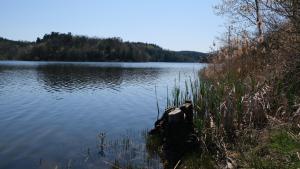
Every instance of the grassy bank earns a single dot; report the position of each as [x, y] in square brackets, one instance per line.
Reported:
[247, 101]
[246, 112]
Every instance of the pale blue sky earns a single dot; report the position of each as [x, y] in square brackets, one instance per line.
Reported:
[171, 24]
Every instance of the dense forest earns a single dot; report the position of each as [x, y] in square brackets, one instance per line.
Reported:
[67, 47]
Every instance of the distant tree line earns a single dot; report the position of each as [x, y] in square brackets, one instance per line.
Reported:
[67, 47]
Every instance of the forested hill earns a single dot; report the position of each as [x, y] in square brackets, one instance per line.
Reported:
[67, 47]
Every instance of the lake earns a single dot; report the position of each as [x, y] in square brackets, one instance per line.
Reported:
[52, 112]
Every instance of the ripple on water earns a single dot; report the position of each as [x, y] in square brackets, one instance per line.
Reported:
[50, 110]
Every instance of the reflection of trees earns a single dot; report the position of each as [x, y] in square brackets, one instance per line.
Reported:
[68, 77]
[1, 69]
[71, 77]
[17, 76]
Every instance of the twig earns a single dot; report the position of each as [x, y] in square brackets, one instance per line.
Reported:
[177, 164]
[157, 103]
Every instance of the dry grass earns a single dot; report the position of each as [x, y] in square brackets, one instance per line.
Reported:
[247, 87]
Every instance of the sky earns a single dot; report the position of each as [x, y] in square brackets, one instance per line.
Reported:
[171, 24]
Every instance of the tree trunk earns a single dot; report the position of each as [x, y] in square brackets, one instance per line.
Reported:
[258, 18]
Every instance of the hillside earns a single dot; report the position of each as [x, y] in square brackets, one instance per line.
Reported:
[67, 47]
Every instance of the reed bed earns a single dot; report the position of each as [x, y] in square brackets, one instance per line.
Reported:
[249, 89]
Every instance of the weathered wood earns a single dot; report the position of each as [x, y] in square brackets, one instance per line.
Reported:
[175, 116]
[187, 108]
[176, 130]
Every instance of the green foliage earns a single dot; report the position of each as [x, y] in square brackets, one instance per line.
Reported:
[153, 144]
[67, 47]
[12, 50]
[281, 141]
[278, 151]
[198, 161]
[257, 162]
[199, 125]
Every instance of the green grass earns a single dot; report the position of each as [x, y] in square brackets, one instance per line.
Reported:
[279, 150]
[198, 161]
[282, 142]
[257, 162]
[153, 144]
[234, 95]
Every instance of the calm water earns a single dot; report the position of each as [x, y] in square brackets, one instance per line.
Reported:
[51, 112]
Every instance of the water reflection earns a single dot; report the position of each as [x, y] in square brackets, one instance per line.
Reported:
[51, 110]
[70, 78]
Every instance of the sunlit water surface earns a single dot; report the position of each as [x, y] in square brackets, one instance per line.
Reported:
[52, 112]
